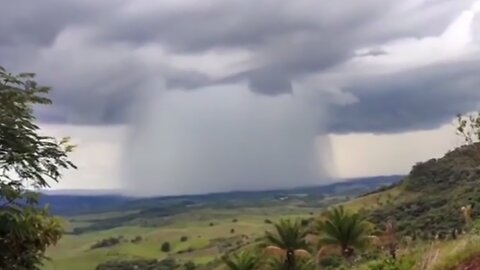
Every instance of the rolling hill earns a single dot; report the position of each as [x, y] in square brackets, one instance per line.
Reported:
[427, 202]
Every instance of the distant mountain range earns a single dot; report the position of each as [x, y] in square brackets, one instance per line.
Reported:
[74, 202]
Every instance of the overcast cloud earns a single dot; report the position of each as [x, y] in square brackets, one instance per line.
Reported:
[97, 54]
[374, 66]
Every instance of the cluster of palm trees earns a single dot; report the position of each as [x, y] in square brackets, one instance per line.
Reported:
[337, 232]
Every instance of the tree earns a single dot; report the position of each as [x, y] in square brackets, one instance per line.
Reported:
[166, 247]
[242, 261]
[189, 265]
[348, 231]
[29, 161]
[301, 264]
[468, 126]
[288, 242]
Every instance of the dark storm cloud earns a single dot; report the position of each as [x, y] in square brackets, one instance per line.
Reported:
[423, 98]
[30, 22]
[253, 24]
[289, 38]
[96, 82]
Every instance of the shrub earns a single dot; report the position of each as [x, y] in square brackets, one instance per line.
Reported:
[268, 221]
[389, 264]
[189, 265]
[136, 239]
[232, 230]
[476, 227]
[107, 242]
[305, 222]
[331, 262]
[166, 247]
[183, 238]
[166, 264]
[234, 220]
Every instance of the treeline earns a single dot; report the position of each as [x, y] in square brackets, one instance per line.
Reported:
[166, 264]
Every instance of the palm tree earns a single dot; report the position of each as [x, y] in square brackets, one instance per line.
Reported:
[288, 242]
[301, 264]
[243, 261]
[345, 230]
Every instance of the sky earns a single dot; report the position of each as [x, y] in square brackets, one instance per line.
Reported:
[177, 96]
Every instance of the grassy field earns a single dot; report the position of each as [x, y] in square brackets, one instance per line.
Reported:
[206, 230]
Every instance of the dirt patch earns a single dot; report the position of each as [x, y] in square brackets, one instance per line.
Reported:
[473, 264]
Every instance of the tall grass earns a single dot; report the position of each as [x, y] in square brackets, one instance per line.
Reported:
[465, 250]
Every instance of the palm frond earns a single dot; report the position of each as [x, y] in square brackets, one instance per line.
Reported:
[288, 235]
[242, 261]
[345, 229]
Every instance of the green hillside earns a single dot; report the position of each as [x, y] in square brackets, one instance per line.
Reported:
[428, 201]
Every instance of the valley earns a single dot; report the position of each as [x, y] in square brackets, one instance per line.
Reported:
[199, 229]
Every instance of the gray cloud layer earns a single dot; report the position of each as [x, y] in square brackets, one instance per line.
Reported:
[422, 98]
[95, 53]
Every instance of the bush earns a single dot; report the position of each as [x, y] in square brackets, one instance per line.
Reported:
[166, 247]
[268, 221]
[189, 265]
[389, 264]
[232, 231]
[183, 239]
[331, 262]
[166, 264]
[108, 242]
[136, 239]
[305, 222]
[476, 227]
[234, 220]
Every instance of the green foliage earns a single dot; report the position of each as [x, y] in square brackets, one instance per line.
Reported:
[107, 242]
[137, 239]
[28, 161]
[183, 238]
[476, 227]
[288, 235]
[166, 247]
[166, 264]
[434, 193]
[189, 266]
[300, 264]
[463, 254]
[243, 261]
[305, 222]
[468, 126]
[390, 264]
[347, 230]
[331, 262]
